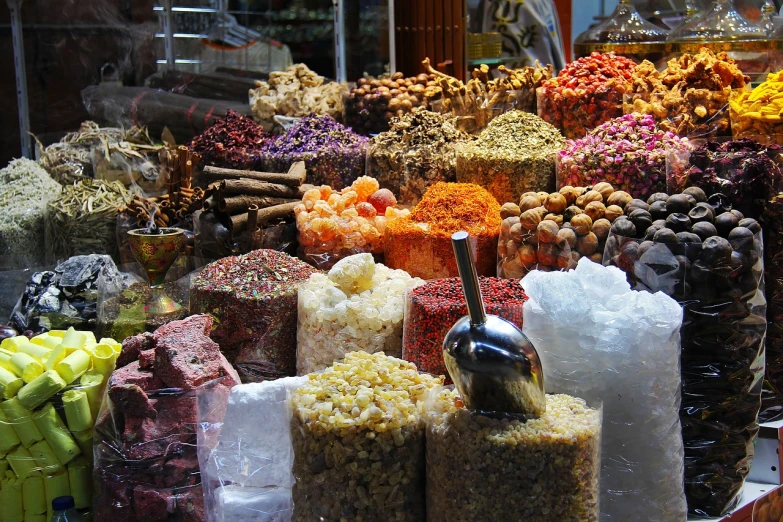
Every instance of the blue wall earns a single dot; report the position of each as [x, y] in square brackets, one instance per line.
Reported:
[585, 10]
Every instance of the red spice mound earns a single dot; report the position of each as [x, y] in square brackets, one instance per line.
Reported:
[232, 142]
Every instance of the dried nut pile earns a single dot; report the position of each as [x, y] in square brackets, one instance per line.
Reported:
[358, 305]
[553, 231]
[336, 224]
[370, 106]
[296, 92]
[586, 93]
[539, 470]
[358, 439]
[630, 152]
[415, 153]
[690, 96]
[233, 142]
[758, 112]
[25, 189]
[513, 155]
[420, 242]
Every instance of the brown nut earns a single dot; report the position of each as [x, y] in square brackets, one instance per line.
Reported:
[595, 209]
[619, 198]
[582, 224]
[601, 229]
[547, 232]
[528, 202]
[555, 203]
[587, 244]
[547, 254]
[527, 255]
[564, 260]
[613, 212]
[542, 196]
[566, 237]
[511, 248]
[512, 269]
[557, 218]
[570, 193]
[605, 189]
[572, 211]
[597, 257]
[509, 210]
[517, 233]
[588, 197]
[530, 219]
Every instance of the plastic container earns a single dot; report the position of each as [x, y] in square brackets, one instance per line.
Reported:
[64, 511]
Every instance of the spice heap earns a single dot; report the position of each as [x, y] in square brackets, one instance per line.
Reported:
[334, 155]
[415, 153]
[586, 93]
[297, 91]
[758, 112]
[690, 96]
[253, 298]
[232, 142]
[69, 159]
[630, 152]
[513, 155]
[370, 106]
[420, 243]
[493, 460]
[699, 250]
[66, 297]
[358, 441]
[358, 305]
[83, 219]
[25, 189]
[53, 385]
[434, 307]
[746, 171]
[333, 225]
[146, 465]
[553, 231]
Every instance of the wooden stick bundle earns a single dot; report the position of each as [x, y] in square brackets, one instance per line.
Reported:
[238, 223]
[295, 176]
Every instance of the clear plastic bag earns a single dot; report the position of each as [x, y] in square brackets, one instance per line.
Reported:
[601, 341]
[146, 464]
[520, 251]
[483, 468]
[245, 452]
[357, 306]
[772, 398]
[722, 363]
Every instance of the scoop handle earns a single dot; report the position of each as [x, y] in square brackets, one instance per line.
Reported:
[460, 241]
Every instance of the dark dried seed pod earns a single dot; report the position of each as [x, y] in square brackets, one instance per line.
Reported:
[690, 199]
[650, 234]
[715, 250]
[644, 246]
[678, 222]
[641, 219]
[738, 214]
[678, 203]
[751, 224]
[660, 223]
[704, 229]
[688, 237]
[635, 204]
[725, 223]
[720, 203]
[667, 236]
[697, 194]
[701, 212]
[658, 210]
[624, 227]
[658, 196]
[741, 239]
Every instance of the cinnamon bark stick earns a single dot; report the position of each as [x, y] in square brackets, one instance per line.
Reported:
[239, 204]
[252, 187]
[238, 223]
[293, 178]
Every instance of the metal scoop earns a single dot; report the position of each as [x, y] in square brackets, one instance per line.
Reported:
[494, 366]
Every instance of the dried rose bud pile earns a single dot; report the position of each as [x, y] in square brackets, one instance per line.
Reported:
[629, 152]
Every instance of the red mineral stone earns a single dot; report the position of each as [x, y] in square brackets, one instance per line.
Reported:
[152, 505]
[184, 408]
[130, 399]
[133, 346]
[132, 374]
[112, 501]
[147, 360]
[190, 505]
[188, 361]
[181, 471]
[185, 327]
[147, 438]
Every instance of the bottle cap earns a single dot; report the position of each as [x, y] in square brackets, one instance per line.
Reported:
[62, 503]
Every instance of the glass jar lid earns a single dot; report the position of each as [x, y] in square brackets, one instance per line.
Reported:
[621, 32]
[721, 24]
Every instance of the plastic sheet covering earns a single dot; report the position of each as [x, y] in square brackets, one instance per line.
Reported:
[13, 282]
[771, 402]
[722, 362]
[601, 341]
[245, 452]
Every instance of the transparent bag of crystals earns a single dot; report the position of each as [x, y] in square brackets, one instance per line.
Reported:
[601, 341]
[245, 452]
[483, 468]
[146, 465]
[694, 113]
[722, 360]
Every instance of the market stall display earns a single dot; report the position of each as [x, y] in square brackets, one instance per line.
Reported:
[25, 191]
[513, 155]
[254, 300]
[420, 242]
[333, 154]
[146, 465]
[358, 305]
[82, 220]
[587, 93]
[554, 231]
[52, 386]
[630, 152]
[756, 113]
[295, 92]
[351, 421]
[416, 152]
[69, 159]
[432, 308]
[333, 225]
[65, 297]
[603, 342]
[233, 141]
[708, 257]
[691, 96]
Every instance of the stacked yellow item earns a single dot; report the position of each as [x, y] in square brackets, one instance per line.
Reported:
[759, 113]
[46, 452]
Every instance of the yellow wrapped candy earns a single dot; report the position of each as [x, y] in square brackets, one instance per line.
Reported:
[74, 340]
[34, 495]
[40, 389]
[104, 359]
[36, 351]
[8, 437]
[56, 434]
[92, 383]
[56, 486]
[55, 356]
[80, 479]
[84, 440]
[22, 462]
[77, 410]
[74, 365]
[11, 503]
[26, 366]
[22, 422]
[12, 343]
[10, 384]
[45, 458]
[36, 517]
